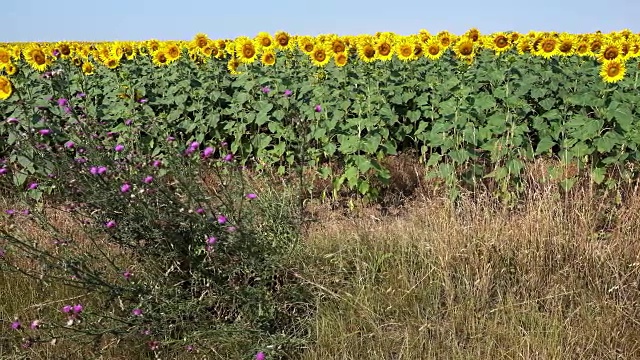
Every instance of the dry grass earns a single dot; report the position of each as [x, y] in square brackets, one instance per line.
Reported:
[558, 278]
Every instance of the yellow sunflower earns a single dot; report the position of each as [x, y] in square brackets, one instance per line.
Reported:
[340, 59]
[172, 52]
[306, 44]
[566, 45]
[547, 46]
[264, 41]
[320, 55]
[10, 69]
[233, 64]
[338, 45]
[129, 49]
[473, 34]
[463, 48]
[35, 57]
[64, 48]
[366, 50]
[87, 68]
[384, 48]
[433, 49]
[5, 56]
[112, 62]
[245, 50]
[268, 58]
[283, 40]
[201, 40]
[160, 58]
[596, 45]
[500, 43]
[582, 48]
[405, 49]
[5, 88]
[524, 45]
[610, 51]
[445, 38]
[612, 71]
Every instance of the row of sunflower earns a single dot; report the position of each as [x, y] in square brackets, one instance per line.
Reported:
[612, 50]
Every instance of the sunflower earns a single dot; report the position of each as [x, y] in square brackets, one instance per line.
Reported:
[283, 40]
[596, 45]
[221, 45]
[366, 50]
[264, 41]
[612, 71]
[433, 49]
[320, 55]
[500, 43]
[112, 62]
[582, 48]
[76, 61]
[384, 48]
[16, 52]
[473, 34]
[463, 48]
[566, 45]
[268, 58]
[245, 50]
[64, 48]
[201, 40]
[35, 57]
[445, 38]
[547, 46]
[5, 88]
[306, 44]
[87, 68]
[424, 36]
[5, 56]
[160, 58]
[83, 51]
[610, 51]
[524, 46]
[340, 59]
[10, 69]
[129, 50]
[405, 49]
[233, 64]
[338, 45]
[172, 52]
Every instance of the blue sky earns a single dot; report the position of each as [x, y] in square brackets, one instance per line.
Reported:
[40, 20]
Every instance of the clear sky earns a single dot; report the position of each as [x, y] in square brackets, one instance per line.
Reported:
[89, 20]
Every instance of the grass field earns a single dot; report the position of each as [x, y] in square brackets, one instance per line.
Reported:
[556, 278]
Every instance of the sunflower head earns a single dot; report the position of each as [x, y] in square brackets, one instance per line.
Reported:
[445, 38]
[433, 49]
[36, 57]
[129, 50]
[160, 58]
[201, 40]
[5, 56]
[610, 51]
[283, 40]
[473, 34]
[547, 47]
[87, 68]
[10, 69]
[406, 49]
[384, 49]
[566, 45]
[64, 48]
[172, 51]
[500, 42]
[612, 71]
[338, 46]
[268, 58]
[320, 55]
[232, 65]
[582, 48]
[245, 49]
[366, 51]
[463, 48]
[265, 41]
[524, 45]
[306, 44]
[5, 88]
[112, 62]
[340, 59]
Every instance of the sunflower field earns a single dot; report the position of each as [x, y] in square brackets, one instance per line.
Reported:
[471, 106]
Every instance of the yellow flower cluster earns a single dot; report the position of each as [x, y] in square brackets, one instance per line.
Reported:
[612, 50]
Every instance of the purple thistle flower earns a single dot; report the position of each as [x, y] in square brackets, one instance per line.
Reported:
[222, 219]
[110, 224]
[81, 95]
[228, 157]
[154, 345]
[94, 170]
[80, 160]
[170, 138]
[194, 144]
[260, 356]
[189, 348]
[232, 229]
[266, 90]
[12, 120]
[78, 308]
[33, 186]
[200, 211]
[55, 52]
[66, 309]
[63, 102]
[125, 188]
[137, 312]
[10, 212]
[251, 196]
[211, 240]
[207, 151]
[118, 148]
[2, 253]
[127, 275]
[143, 101]
[69, 144]
[102, 170]
[67, 110]
[148, 180]
[44, 131]
[16, 325]
[35, 324]
[318, 108]
[156, 163]
[25, 212]
[128, 122]
[3, 170]
[288, 93]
